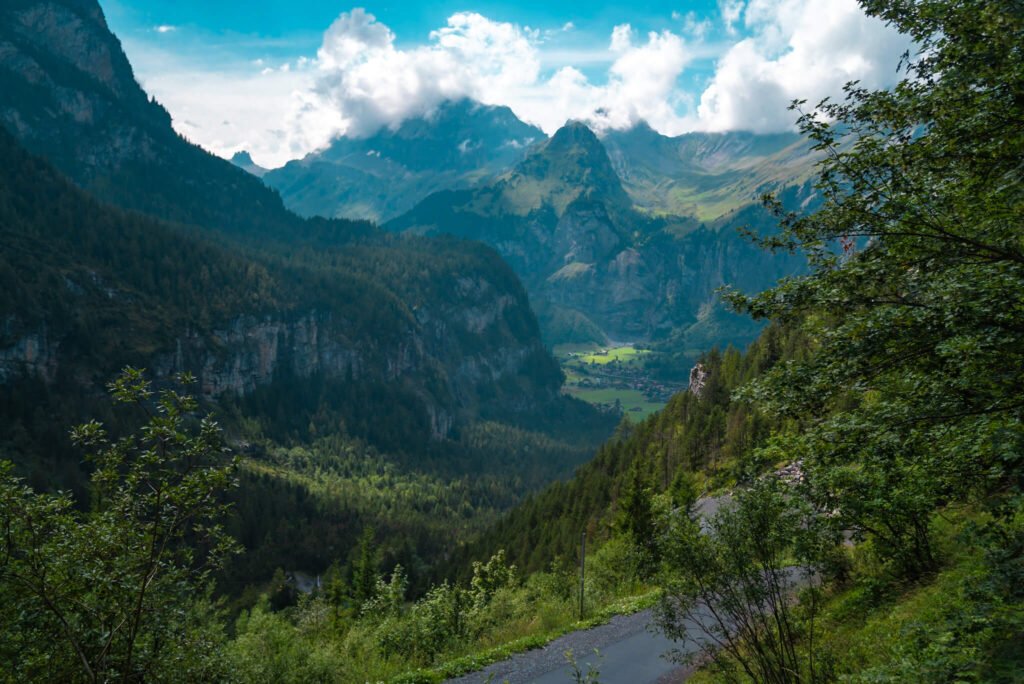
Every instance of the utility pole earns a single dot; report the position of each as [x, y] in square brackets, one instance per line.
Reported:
[583, 566]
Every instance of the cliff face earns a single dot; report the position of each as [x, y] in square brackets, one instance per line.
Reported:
[247, 352]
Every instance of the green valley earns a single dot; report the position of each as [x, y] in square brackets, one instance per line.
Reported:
[615, 379]
[616, 404]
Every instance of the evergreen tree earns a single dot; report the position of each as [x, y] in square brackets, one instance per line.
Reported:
[364, 568]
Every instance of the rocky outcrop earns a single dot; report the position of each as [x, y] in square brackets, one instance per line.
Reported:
[32, 354]
[698, 380]
[443, 359]
[247, 353]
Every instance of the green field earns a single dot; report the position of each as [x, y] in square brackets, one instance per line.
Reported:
[581, 353]
[629, 399]
[589, 363]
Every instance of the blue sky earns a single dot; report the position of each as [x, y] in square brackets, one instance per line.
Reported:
[282, 78]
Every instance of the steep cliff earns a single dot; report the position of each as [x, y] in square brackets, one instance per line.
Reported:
[85, 296]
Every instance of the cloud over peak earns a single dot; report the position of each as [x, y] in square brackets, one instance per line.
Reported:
[734, 70]
[364, 81]
[796, 49]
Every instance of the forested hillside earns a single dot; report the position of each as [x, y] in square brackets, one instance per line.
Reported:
[317, 477]
[415, 356]
[704, 439]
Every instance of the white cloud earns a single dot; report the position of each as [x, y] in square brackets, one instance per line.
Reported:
[165, 28]
[797, 49]
[731, 11]
[364, 81]
[361, 79]
[693, 26]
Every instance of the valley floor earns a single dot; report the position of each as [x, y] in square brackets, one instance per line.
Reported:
[614, 379]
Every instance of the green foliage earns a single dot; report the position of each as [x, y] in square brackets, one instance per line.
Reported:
[913, 390]
[729, 581]
[364, 569]
[119, 591]
[713, 435]
[963, 624]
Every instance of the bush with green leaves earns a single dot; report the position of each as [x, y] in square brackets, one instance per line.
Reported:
[730, 584]
[121, 590]
[911, 397]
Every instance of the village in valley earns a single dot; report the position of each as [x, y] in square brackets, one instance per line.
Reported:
[614, 378]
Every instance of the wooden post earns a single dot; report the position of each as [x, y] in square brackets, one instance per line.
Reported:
[583, 565]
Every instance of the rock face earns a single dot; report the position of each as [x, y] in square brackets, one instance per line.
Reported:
[698, 380]
[33, 354]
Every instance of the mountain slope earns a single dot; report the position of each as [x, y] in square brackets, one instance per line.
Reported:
[418, 357]
[88, 289]
[596, 267]
[705, 175]
[701, 430]
[386, 173]
[68, 93]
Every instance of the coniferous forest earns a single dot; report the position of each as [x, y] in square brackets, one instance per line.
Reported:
[237, 445]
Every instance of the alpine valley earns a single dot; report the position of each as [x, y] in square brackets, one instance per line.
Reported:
[459, 399]
[623, 239]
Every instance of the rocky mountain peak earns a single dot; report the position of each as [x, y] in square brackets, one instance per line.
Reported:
[575, 134]
[243, 160]
[575, 156]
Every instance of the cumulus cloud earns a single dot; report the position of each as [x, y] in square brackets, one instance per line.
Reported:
[165, 28]
[361, 79]
[731, 11]
[365, 82]
[797, 49]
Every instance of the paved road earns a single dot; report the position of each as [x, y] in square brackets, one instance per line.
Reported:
[631, 650]
[630, 653]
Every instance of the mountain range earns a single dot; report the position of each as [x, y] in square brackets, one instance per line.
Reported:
[597, 266]
[380, 176]
[624, 236]
[124, 244]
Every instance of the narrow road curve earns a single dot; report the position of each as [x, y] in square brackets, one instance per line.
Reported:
[631, 652]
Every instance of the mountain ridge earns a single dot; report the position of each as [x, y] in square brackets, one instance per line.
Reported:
[380, 175]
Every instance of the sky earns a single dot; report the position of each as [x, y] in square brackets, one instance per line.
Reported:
[282, 79]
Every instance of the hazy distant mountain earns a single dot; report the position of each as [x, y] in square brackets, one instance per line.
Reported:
[244, 161]
[594, 265]
[380, 176]
[705, 175]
